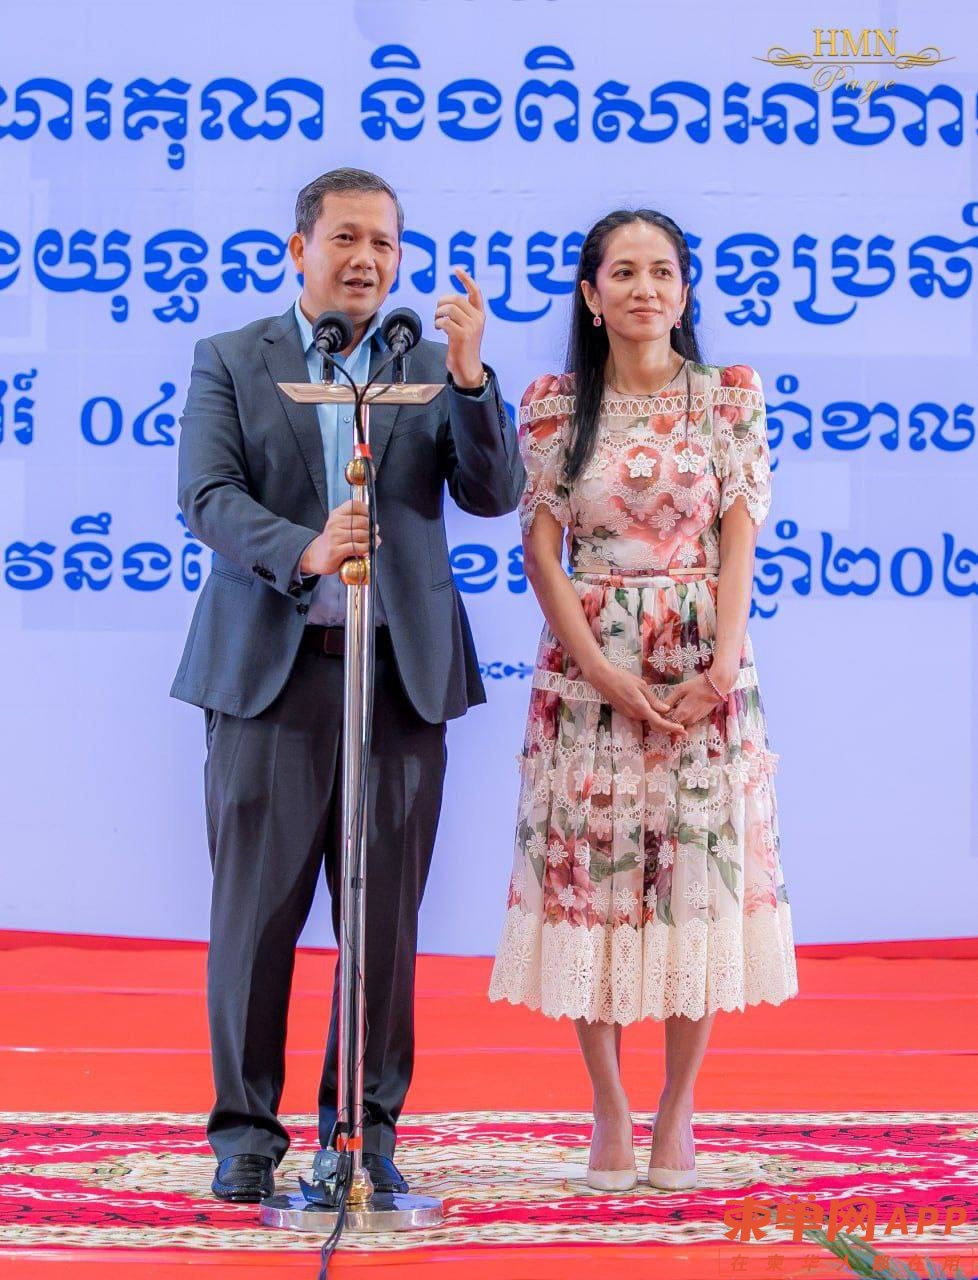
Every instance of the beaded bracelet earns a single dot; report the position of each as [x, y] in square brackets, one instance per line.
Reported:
[709, 681]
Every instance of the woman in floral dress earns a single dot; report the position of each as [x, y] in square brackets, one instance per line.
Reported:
[647, 879]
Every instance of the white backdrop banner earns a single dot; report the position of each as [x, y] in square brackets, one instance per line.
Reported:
[149, 162]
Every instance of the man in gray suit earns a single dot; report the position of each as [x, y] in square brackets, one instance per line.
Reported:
[261, 483]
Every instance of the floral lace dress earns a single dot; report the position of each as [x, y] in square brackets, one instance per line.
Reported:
[647, 878]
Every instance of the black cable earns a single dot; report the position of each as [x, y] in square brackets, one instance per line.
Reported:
[356, 835]
[331, 1242]
[359, 818]
[333, 1239]
[366, 736]
[367, 665]
[386, 364]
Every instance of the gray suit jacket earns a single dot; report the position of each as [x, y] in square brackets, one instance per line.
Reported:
[252, 487]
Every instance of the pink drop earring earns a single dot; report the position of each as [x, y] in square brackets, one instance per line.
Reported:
[597, 322]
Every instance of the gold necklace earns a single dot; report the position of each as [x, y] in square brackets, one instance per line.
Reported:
[632, 395]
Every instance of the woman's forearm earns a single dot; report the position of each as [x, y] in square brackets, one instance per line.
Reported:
[565, 617]
[737, 538]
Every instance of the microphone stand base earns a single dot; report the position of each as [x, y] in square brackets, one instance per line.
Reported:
[384, 1211]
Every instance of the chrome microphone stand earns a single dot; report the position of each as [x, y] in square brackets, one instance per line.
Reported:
[349, 1196]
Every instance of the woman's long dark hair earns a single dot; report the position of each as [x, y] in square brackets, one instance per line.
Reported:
[587, 350]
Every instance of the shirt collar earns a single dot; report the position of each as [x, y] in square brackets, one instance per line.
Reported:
[305, 330]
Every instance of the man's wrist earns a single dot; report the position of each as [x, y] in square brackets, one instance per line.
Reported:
[308, 560]
[470, 381]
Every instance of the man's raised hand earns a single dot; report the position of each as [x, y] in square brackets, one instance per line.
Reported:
[462, 318]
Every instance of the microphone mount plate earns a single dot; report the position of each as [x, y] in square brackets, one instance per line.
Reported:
[380, 393]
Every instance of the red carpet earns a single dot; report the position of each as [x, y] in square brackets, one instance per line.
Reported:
[117, 1026]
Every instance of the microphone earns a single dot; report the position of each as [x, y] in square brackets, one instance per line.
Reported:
[332, 331]
[401, 330]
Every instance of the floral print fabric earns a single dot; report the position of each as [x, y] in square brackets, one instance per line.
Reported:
[647, 878]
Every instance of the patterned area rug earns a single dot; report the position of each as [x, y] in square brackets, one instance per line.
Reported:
[142, 1181]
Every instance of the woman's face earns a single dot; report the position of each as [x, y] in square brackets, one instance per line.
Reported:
[638, 292]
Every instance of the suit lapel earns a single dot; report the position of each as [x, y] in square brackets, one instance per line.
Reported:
[285, 361]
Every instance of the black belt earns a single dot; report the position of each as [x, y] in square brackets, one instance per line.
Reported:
[331, 641]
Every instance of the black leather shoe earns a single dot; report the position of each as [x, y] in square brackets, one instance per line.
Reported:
[245, 1179]
[384, 1173]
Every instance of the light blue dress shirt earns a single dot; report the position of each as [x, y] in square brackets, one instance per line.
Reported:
[327, 605]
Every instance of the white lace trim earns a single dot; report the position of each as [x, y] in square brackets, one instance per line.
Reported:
[560, 406]
[530, 504]
[757, 498]
[584, 691]
[622, 973]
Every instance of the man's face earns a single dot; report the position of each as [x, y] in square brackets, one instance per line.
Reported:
[350, 260]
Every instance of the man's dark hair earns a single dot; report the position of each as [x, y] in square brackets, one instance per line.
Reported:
[309, 202]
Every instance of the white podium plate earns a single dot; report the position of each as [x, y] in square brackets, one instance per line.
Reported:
[381, 393]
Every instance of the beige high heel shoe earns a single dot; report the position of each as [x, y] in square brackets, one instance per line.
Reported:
[612, 1179]
[664, 1179]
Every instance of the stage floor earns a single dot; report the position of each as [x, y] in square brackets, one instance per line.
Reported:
[864, 1084]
